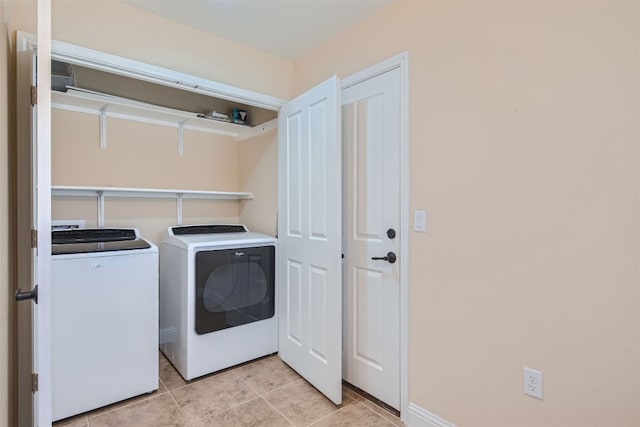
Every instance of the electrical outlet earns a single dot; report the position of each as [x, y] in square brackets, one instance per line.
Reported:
[533, 383]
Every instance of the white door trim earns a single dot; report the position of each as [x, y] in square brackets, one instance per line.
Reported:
[43, 203]
[399, 61]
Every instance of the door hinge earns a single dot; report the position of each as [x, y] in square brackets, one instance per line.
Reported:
[34, 95]
[34, 239]
[34, 383]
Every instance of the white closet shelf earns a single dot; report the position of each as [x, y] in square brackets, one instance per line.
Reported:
[113, 106]
[65, 190]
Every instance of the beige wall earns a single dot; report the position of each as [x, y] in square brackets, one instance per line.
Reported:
[141, 155]
[259, 175]
[525, 155]
[161, 42]
[117, 28]
[524, 130]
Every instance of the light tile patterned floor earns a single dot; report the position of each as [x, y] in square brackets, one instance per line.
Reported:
[262, 393]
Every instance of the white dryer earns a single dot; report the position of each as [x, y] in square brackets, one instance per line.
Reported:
[104, 318]
[217, 297]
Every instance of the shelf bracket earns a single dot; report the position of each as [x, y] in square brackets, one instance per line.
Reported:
[100, 208]
[179, 208]
[181, 138]
[103, 127]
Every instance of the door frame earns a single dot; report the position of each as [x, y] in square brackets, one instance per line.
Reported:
[79, 55]
[25, 55]
[400, 61]
[52, 49]
[34, 150]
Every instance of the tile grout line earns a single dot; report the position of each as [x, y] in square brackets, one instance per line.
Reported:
[276, 409]
[184, 414]
[142, 398]
[250, 388]
[261, 396]
[224, 410]
[369, 401]
[356, 399]
[154, 394]
[284, 385]
[355, 396]
[379, 415]
[384, 411]
[297, 378]
[333, 412]
[355, 402]
[326, 416]
[163, 384]
[269, 391]
[197, 380]
[149, 396]
[258, 396]
[245, 383]
[169, 392]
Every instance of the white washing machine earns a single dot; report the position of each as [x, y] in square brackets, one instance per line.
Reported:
[104, 318]
[217, 297]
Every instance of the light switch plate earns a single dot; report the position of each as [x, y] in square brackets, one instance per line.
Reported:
[420, 221]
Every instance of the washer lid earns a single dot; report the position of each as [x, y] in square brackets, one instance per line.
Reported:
[86, 240]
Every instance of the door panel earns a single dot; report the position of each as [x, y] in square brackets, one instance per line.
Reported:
[368, 169]
[318, 314]
[293, 315]
[293, 192]
[367, 304]
[310, 247]
[371, 139]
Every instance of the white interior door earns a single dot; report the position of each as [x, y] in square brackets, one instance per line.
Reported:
[309, 237]
[34, 213]
[371, 138]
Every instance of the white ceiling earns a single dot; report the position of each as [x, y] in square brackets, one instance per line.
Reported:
[285, 28]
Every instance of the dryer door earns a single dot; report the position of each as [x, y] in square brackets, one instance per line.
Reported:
[234, 287]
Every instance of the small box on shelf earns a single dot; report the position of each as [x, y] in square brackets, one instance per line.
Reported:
[239, 116]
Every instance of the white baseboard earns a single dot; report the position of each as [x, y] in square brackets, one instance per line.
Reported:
[419, 417]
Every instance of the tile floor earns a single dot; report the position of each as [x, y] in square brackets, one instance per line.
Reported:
[265, 392]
